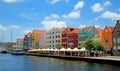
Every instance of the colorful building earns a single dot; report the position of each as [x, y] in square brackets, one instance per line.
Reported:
[87, 32]
[107, 37]
[98, 35]
[28, 40]
[20, 42]
[39, 39]
[116, 39]
[54, 36]
[70, 37]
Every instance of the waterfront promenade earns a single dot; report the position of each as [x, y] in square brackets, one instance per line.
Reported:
[103, 59]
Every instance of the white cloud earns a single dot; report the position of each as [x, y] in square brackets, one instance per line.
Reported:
[13, 1]
[81, 26]
[52, 16]
[53, 1]
[13, 27]
[79, 5]
[27, 31]
[73, 14]
[97, 7]
[76, 11]
[49, 24]
[2, 27]
[107, 3]
[110, 15]
[97, 26]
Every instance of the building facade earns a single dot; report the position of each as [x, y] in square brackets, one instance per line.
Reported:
[39, 39]
[28, 40]
[116, 39]
[54, 37]
[70, 37]
[87, 32]
[20, 42]
[107, 37]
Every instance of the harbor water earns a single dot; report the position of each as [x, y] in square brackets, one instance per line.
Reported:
[10, 62]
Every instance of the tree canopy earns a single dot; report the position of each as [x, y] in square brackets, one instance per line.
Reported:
[58, 46]
[89, 44]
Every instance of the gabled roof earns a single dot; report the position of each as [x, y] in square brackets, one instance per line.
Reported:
[111, 28]
[38, 31]
[75, 30]
[99, 34]
[29, 34]
[88, 28]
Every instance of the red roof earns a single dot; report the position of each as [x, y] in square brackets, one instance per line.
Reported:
[38, 31]
[111, 28]
[29, 34]
[88, 28]
[75, 30]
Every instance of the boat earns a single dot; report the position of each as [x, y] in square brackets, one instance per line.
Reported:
[3, 52]
[17, 52]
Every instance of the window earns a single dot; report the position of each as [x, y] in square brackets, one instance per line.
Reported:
[108, 37]
[109, 45]
[114, 40]
[104, 38]
[118, 47]
[118, 40]
[106, 30]
[114, 47]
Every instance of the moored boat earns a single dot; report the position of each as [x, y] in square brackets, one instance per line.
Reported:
[17, 52]
[3, 52]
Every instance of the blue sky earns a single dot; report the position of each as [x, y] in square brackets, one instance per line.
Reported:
[22, 16]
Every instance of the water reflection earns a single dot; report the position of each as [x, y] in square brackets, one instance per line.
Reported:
[32, 63]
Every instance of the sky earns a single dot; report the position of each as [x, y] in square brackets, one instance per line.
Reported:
[18, 17]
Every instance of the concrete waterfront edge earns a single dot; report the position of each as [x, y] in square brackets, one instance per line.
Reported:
[87, 59]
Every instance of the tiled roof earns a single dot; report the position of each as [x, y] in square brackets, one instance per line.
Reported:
[29, 34]
[38, 31]
[99, 32]
[111, 28]
[75, 30]
[88, 28]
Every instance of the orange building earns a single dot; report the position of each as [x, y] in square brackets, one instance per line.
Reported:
[39, 39]
[107, 37]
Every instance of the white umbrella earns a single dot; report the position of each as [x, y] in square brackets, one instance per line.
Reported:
[68, 49]
[62, 49]
[83, 49]
[75, 49]
[56, 50]
[51, 49]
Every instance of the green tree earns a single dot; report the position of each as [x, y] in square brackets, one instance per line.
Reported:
[58, 46]
[80, 46]
[98, 46]
[89, 44]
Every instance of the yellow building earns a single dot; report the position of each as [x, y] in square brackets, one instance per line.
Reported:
[39, 39]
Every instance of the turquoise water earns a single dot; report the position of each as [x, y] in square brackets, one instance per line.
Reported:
[32, 63]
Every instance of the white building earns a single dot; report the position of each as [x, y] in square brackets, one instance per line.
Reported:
[53, 37]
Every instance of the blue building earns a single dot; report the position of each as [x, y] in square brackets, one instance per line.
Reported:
[87, 32]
